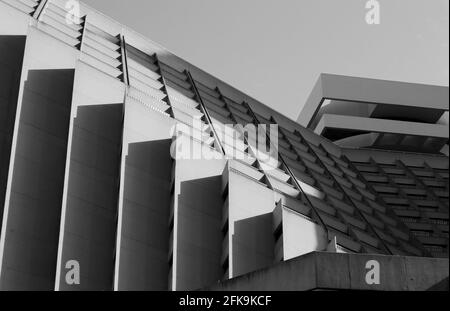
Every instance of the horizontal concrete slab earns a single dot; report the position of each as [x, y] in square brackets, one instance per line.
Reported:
[340, 271]
[329, 121]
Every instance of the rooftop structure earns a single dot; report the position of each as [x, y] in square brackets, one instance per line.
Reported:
[370, 113]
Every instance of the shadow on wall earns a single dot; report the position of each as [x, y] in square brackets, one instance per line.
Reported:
[441, 286]
[92, 195]
[31, 240]
[200, 236]
[253, 244]
[11, 51]
[145, 229]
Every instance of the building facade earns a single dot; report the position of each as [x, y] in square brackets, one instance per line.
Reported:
[146, 173]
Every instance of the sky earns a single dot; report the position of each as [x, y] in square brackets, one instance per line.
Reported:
[274, 50]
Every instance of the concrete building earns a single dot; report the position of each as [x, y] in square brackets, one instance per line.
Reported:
[99, 132]
[370, 113]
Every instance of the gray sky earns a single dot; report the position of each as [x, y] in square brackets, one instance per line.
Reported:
[275, 50]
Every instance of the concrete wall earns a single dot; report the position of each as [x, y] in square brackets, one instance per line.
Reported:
[37, 182]
[31, 217]
[198, 214]
[12, 50]
[301, 236]
[12, 21]
[335, 271]
[143, 238]
[13, 30]
[91, 212]
[251, 240]
[90, 206]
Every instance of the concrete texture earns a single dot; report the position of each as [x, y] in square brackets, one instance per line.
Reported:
[333, 271]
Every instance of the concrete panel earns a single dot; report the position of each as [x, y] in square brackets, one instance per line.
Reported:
[333, 271]
[96, 149]
[12, 50]
[301, 236]
[93, 87]
[34, 207]
[338, 122]
[312, 105]
[92, 196]
[44, 52]
[425, 273]
[299, 274]
[251, 237]
[143, 231]
[43, 94]
[198, 217]
[12, 21]
[338, 107]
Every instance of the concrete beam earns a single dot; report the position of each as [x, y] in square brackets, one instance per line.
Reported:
[339, 271]
[380, 126]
